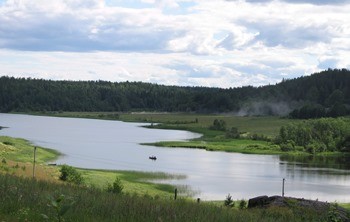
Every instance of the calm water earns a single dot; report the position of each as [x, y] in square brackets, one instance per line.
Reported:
[101, 144]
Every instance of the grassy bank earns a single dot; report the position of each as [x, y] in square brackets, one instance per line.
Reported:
[24, 199]
[238, 146]
[139, 183]
[21, 150]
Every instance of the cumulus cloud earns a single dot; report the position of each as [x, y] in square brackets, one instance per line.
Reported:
[182, 42]
[76, 25]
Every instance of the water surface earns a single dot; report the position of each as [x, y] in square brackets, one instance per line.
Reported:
[103, 144]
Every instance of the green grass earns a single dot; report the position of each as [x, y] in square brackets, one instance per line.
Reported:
[238, 146]
[21, 150]
[135, 182]
[24, 199]
[268, 126]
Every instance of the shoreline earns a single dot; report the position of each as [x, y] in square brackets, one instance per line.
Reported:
[17, 153]
[212, 143]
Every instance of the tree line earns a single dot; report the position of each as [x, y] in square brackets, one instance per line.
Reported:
[317, 95]
[316, 136]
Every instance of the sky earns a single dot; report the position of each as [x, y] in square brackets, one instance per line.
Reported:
[213, 43]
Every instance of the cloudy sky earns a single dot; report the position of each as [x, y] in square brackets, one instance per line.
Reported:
[217, 43]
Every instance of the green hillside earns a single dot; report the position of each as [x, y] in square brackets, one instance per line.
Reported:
[318, 95]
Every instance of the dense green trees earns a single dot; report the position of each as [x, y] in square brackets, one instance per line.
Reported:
[313, 136]
[318, 95]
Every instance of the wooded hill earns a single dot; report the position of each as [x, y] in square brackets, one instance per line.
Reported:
[320, 94]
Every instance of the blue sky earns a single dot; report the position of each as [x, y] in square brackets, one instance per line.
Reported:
[216, 43]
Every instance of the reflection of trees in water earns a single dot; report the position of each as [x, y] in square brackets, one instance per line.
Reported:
[316, 167]
[333, 162]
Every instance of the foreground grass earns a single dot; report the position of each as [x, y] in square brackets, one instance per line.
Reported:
[28, 199]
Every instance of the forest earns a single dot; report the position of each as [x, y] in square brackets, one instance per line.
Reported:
[321, 94]
[316, 136]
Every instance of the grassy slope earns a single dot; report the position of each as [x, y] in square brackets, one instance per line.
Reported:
[21, 150]
[27, 199]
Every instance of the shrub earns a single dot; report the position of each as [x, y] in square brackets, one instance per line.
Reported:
[228, 201]
[116, 187]
[232, 133]
[287, 147]
[242, 204]
[218, 125]
[71, 175]
[8, 143]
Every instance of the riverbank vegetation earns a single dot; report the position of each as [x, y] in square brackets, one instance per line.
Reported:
[316, 136]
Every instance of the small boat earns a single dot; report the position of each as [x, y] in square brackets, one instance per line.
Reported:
[152, 158]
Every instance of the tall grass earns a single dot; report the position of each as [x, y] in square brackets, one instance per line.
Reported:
[27, 199]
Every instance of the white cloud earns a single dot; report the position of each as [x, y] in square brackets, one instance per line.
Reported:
[200, 42]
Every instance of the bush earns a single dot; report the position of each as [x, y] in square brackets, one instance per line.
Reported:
[218, 125]
[232, 133]
[242, 204]
[116, 187]
[228, 201]
[287, 147]
[71, 175]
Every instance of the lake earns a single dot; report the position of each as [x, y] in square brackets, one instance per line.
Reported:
[103, 144]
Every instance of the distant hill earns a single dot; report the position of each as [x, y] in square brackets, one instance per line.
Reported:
[320, 94]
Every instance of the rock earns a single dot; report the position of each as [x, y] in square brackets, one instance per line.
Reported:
[291, 202]
[258, 201]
